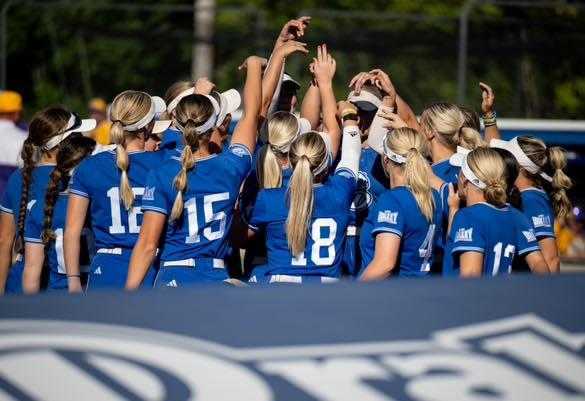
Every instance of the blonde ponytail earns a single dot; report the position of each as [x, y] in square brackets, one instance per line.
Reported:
[191, 112]
[417, 172]
[552, 161]
[418, 175]
[560, 182]
[269, 168]
[307, 153]
[283, 128]
[127, 108]
[469, 138]
[490, 168]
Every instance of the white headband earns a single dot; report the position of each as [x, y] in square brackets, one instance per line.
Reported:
[390, 154]
[144, 121]
[203, 128]
[364, 96]
[75, 124]
[523, 160]
[173, 104]
[470, 175]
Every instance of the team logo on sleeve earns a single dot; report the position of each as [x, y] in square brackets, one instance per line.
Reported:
[363, 198]
[529, 235]
[387, 217]
[541, 221]
[464, 235]
[148, 193]
[240, 151]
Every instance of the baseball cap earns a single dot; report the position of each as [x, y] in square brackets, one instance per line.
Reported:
[365, 100]
[523, 160]
[10, 102]
[98, 104]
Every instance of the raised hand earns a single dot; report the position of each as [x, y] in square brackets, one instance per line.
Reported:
[393, 120]
[324, 65]
[293, 29]
[358, 81]
[291, 46]
[488, 98]
[204, 86]
[383, 82]
[253, 59]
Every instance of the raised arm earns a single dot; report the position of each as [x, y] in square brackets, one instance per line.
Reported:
[311, 106]
[488, 114]
[76, 212]
[246, 130]
[324, 67]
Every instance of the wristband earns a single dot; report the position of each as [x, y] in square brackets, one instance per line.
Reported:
[489, 119]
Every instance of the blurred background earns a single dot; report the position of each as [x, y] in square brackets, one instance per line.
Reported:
[530, 52]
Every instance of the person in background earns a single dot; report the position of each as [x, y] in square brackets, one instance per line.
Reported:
[11, 136]
[571, 236]
[98, 110]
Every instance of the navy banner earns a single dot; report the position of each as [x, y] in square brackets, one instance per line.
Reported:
[516, 338]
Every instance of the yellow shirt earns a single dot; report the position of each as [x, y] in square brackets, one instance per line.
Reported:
[102, 133]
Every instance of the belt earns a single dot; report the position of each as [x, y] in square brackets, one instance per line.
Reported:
[352, 231]
[285, 278]
[216, 263]
[111, 251]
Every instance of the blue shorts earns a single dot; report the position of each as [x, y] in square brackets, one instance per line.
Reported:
[110, 270]
[14, 279]
[58, 281]
[261, 276]
[201, 271]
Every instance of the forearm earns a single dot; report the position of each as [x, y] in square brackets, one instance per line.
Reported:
[375, 271]
[537, 264]
[142, 258]
[378, 131]
[351, 148]
[272, 83]
[330, 115]
[34, 259]
[71, 251]
[311, 106]
[5, 262]
[491, 132]
[405, 112]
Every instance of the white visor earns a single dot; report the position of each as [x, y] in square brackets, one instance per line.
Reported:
[524, 161]
[290, 80]
[364, 101]
[230, 102]
[470, 175]
[203, 128]
[75, 124]
[173, 103]
[458, 158]
[157, 106]
[390, 154]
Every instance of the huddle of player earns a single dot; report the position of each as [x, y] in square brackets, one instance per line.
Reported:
[360, 189]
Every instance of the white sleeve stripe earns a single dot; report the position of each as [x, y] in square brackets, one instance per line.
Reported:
[6, 210]
[387, 230]
[33, 240]
[467, 248]
[528, 250]
[79, 193]
[345, 169]
[154, 209]
[544, 234]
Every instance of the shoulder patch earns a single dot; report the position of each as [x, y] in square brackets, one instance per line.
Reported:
[239, 150]
[148, 193]
[387, 216]
[464, 235]
[541, 221]
[529, 235]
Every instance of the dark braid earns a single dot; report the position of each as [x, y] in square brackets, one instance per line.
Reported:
[71, 152]
[28, 157]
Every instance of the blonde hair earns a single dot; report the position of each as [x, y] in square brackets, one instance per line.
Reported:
[127, 108]
[490, 168]
[307, 153]
[449, 125]
[417, 172]
[283, 128]
[173, 91]
[191, 112]
[552, 161]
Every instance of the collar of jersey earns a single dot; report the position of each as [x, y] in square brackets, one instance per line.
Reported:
[534, 189]
[500, 209]
[440, 162]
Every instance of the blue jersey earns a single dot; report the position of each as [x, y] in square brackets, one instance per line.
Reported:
[396, 212]
[499, 233]
[446, 172]
[324, 248]
[34, 230]
[536, 206]
[171, 139]
[11, 200]
[211, 194]
[372, 182]
[98, 179]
